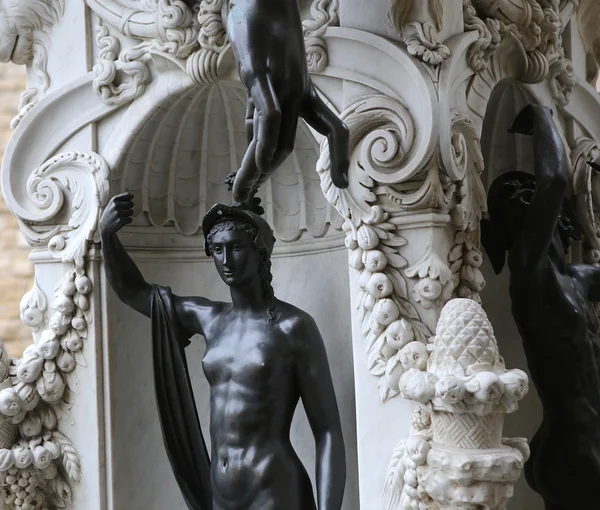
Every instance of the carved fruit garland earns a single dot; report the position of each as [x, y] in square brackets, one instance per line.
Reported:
[39, 466]
[466, 161]
[37, 470]
[394, 335]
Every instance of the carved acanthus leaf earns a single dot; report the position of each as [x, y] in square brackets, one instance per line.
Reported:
[421, 42]
[464, 162]
[85, 176]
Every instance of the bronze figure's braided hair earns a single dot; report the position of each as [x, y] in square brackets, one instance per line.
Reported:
[264, 260]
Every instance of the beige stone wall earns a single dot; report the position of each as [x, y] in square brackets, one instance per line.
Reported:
[16, 271]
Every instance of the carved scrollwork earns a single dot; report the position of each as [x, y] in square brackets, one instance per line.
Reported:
[85, 175]
[39, 466]
[381, 138]
[419, 37]
[131, 75]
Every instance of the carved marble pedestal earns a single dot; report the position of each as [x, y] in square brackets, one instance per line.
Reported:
[142, 96]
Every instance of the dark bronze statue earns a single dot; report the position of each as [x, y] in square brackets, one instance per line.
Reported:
[268, 41]
[262, 356]
[553, 310]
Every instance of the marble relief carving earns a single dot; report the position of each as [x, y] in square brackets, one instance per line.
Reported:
[458, 457]
[24, 28]
[390, 324]
[39, 466]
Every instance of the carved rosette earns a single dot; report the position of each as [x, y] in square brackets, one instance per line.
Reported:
[39, 466]
[467, 390]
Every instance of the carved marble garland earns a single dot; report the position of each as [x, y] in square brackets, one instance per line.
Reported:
[394, 335]
[38, 464]
[466, 390]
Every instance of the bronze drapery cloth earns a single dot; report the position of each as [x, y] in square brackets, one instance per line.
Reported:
[182, 434]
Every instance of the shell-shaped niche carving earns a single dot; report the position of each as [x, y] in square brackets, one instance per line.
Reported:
[178, 161]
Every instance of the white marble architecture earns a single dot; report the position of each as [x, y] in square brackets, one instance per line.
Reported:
[142, 95]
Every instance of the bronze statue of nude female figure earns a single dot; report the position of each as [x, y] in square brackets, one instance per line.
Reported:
[553, 310]
[262, 357]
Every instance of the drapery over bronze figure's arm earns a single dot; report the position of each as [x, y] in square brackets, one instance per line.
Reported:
[268, 41]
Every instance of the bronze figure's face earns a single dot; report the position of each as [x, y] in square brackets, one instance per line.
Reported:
[235, 255]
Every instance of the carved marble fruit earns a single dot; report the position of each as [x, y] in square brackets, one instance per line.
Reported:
[486, 387]
[66, 361]
[31, 426]
[417, 385]
[399, 333]
[65, 305]
[23, 456]
[83, 284]
[350, 243]
[385, 311]
[414, 355]
[429, 289]
[41, 457]
[30, 367]
[450, 390]
[51, 387]
[379, 285]
[355, 260]
[48, 346]
[367, 238]
[375, 260]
